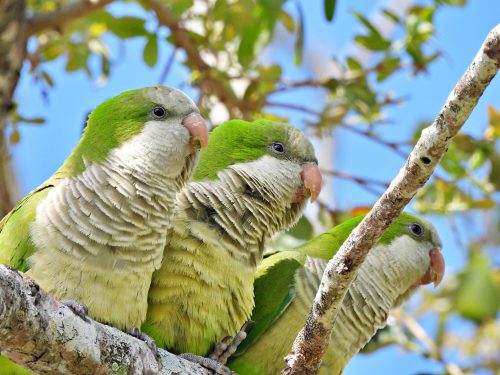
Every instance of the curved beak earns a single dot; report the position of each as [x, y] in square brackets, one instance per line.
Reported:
[435, 272]
[311, 178]
[197, 128]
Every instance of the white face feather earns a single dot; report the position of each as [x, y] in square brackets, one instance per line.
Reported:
[275, 178]
[159, 149]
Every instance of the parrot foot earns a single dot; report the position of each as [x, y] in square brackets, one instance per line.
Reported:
[150, 342]
[78, 308]
[208, 363]
[228, 345]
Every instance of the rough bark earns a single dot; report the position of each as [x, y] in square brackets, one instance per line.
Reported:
[40, 333]
[312, 341]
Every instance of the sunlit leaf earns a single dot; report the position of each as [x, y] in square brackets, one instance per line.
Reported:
[478, 295]
[287, 21]
[150, 53]
[493, 129]
[15, 137]
[299, 42]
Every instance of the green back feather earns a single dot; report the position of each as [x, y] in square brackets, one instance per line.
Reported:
[273, 290]
[15, 239]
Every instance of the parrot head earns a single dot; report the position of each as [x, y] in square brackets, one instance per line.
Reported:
[153, 129]
[411, 245]
[268, 153]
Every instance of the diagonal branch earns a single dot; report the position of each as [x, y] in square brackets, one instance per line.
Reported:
[63, 15]
[45, 336]
[312, 341]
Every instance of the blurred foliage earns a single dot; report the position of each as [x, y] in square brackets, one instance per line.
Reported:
[472, 173]
[223, 42]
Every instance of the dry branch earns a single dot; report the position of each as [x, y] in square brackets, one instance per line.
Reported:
[45, 336]
[63, 15]
[312, 341]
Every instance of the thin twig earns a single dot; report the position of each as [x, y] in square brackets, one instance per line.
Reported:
[313, 340]
[168, 66]
[363, 182]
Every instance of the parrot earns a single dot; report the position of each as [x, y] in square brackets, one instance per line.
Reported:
[252, 181]
[95, 231]
[408, 255]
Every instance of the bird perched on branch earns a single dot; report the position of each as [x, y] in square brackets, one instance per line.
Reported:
[251, 182]
[95, 231]
[407, 255]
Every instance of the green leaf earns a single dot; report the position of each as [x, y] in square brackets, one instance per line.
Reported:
[477, 296]
[392, 16]
[179, 7]
[478, 158]
[77, 58]
[299, 42]
[494, 176]
[127, 27]
[150, 53]
[354, 64]
[387, 67]
[15, 137]
[329, 6]
[46, 76]
[459, 3]
[246, 50]
[373, 42]
[287, 21]
[302, 230]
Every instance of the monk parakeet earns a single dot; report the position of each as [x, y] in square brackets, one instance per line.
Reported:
[407, 255]
[251, 182]
[95, 231]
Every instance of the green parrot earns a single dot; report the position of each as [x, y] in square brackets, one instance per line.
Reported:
[95, 231]
[251, 182]
[407, 255]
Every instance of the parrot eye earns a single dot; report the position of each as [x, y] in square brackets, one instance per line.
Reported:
[416, 229]
[278, 148]
[159, 112]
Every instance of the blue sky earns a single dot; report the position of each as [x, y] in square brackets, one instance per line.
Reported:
[460, 32]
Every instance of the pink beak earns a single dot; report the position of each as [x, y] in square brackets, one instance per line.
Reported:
[197, 128]
[435, 272]
[311, 178]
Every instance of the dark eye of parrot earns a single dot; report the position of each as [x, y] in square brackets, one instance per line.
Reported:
[278, 147]
[159, 112]
[416, 229]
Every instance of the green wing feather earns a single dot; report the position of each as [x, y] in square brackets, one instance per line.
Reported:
[15, 239]
[273, 290]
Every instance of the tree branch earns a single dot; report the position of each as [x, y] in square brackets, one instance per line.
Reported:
[12, 49]
[312, 341]
[209, 84]
[63, 15]
[40, 333]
